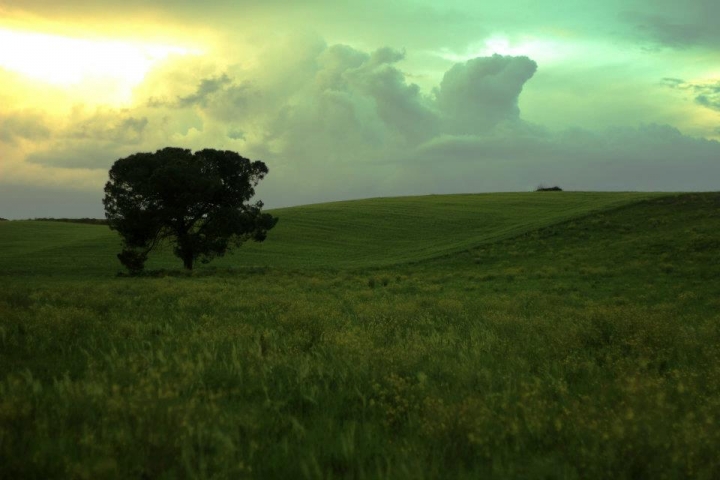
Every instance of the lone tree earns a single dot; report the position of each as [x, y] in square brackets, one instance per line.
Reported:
[196, 201]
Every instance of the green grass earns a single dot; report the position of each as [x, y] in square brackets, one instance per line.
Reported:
[354, 234]
[582, 347]
[57, 249]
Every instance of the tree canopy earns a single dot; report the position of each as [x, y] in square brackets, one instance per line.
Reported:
[198, 202]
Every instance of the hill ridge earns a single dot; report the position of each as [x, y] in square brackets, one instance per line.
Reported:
[375, 232]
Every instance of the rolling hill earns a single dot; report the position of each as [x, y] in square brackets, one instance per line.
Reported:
[560, 335]
[349, 234]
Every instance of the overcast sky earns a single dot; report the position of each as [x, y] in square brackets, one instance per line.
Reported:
[350, 99]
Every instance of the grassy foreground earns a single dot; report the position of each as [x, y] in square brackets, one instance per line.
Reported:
[588, 348]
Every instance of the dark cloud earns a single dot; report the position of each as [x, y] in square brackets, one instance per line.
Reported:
[109, 126]
[665, 31]
[92, 155]
[206, 93]
[336, 122]
[711, 101]
[92, 140]
[337, 97]
[519, 156]
[706, 94]
[236, 134]
[672, 24]
[206, 88]
[482, 92]
[672, 82]
[333, 63]
[23, 125]
[398, 103]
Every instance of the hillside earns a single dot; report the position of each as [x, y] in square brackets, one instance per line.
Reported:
[653, 252]
[351, 234]
[585, 348]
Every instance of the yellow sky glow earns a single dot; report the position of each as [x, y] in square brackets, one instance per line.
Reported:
[69, 62]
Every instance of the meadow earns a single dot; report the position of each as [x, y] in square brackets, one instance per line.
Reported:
[539, 335]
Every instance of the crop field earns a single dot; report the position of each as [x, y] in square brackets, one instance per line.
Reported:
[542, 335]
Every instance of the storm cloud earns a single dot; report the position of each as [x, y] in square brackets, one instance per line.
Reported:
[359, 99]
[672, 24]
[482, 92]
[18, 126]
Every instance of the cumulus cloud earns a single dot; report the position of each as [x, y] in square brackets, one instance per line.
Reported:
[399, 104]
[23, 125]
[91, 139]
[342, 103]
[480, 93]
[205, 90]
[336, 122]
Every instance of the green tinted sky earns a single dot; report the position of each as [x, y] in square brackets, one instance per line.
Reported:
[354, 99]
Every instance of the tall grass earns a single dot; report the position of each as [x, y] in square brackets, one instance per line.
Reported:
[587, 349]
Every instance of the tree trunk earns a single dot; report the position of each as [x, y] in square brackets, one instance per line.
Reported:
[184, 247]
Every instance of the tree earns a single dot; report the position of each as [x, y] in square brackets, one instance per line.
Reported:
[543, 188]
[198, 202]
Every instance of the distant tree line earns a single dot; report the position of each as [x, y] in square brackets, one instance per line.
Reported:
[542, 188]
[91, 221]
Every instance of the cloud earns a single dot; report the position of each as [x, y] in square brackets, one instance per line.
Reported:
[679, 25]
[87, 154]
[336, 122]
[665, 31]
[110, 126]
[519, 156]
[482, 92]
[91, 139]
[206, 88]
[706, 94]
[711, 101]
[399, 104]
[23, 125]
[337, 102]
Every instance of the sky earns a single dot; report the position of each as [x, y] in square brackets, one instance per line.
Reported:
[354, 99]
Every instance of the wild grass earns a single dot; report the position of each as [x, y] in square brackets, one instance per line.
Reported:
[353, 234]
[585, 349]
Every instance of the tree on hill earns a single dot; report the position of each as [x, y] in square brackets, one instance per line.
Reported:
[198, 202]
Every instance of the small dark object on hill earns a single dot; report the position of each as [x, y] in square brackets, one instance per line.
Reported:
[3, 219]
[548, 189]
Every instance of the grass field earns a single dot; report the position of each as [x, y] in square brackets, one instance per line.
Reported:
[354, 234]
[558, 335]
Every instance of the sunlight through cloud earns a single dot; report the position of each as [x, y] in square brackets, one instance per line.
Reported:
[66, 62]
[545, 51]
